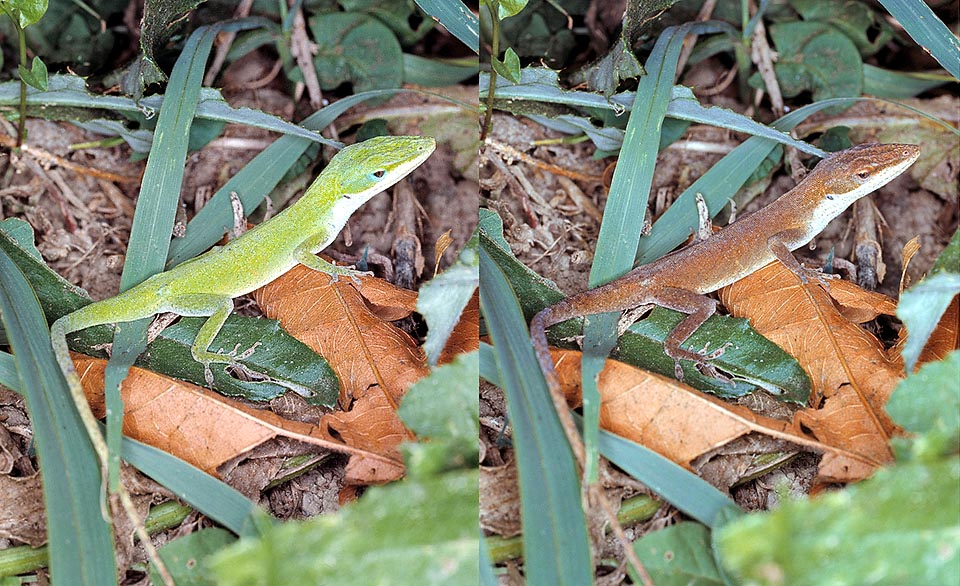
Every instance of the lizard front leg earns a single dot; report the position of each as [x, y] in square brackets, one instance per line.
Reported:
[780, 250]
[305, 256]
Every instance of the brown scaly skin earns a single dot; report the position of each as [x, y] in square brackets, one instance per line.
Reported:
[680, 279]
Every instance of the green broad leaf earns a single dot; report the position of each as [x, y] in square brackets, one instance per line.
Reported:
[678, 555]
[185, 557]
[417, 532]
[22, 234]
[441, 301]
[283, 362]
[402, 17]
[357, 49]
[927, 404]
[441, 409]
[36, 76]
[900, 526]
[922, 305]
[752, 361]
[857, 21]
[508, 8]
[817, 58]
[509, 67]
[28, 11]
[279, 362]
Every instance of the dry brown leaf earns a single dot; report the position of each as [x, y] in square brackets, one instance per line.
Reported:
[386, 300]
[910, 249]
[336, 322]
[375, 361]
[859, 305]
[945, 338]
[466, 334]
[203, 427]
[22, 515]
[679, 422]
[851, 375]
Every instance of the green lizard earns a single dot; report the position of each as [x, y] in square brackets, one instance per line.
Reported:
[207, 284]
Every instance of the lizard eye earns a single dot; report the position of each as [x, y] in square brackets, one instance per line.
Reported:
[863, 174]
[378, 174]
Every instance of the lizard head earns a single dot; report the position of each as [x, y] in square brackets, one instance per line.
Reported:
[845, 176]
[850, 174]
[362, 170]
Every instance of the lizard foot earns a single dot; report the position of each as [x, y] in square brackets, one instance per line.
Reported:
[700, 360]
[807, 274]
[348, 271]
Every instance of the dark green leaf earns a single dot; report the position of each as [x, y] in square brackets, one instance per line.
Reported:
[36, 76]
[357, 49]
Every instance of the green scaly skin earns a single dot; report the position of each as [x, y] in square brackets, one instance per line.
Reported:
[207, 284]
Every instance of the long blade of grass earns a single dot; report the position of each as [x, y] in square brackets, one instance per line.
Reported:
[555, 533]
[213, 498]
[681, 488]
[155, 214]
[70, 91]
[81, 540]
[542, 85]
[623, 218]
[456, 18]
[928, 31]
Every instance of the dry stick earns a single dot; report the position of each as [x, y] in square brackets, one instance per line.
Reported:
[226, 40]
[303, 49]
[550, 168]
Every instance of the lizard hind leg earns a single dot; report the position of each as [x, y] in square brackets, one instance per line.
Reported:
[698, 308]
[217, 308]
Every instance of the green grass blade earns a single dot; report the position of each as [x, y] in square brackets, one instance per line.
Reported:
[681, 488]
[928, 31]
[437, 73]
[542, 85]
[456, 18]
[623, 218]
[555, 533]
[69, 91]
[154, 217]
[81, 542]
[213, 498]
